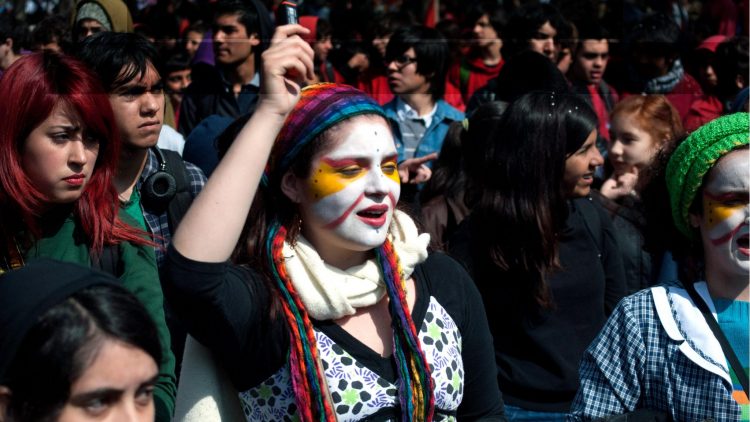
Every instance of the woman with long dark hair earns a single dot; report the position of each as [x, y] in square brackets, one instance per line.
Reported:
[541, 252]
[335, 311]
[58, 148]
[74, 346]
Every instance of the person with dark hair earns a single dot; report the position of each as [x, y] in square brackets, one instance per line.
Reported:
[374, 81]
[680, 348]
[332, 308]
[654, 65]
[417, 68]
[525, 72]
[94, 16]
[732, 63]
[586, 76]
[177, 75]
[442, 200]
[74, 346]
[127, 66]
[11, 40]
[542, 253]
[320, 40]
[240, 31]
[52, 33]
[57, 199]
[193, 38]
[485, 59]
[155, 186]
[533, 27]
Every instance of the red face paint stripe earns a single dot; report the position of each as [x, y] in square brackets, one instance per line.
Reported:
[725, 196]
[345, 162]
[393, 199]
[335, 223]
[727, 236]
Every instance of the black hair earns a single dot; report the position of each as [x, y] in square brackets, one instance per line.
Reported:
[591, 31]
[526, 72]
[66, 339]
[16, 32]
[495, 13]
[388, 23]
[174, 62]
[246, 13]
[731, 61]
[524, 23]
[431, 51]
[118, 57]
[323, 29]
[655, 35]
[51, 29]
[517, 185]
[447, 173]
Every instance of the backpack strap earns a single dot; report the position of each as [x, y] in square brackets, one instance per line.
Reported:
[179, 205]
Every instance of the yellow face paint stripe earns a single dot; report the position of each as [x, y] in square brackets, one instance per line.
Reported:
[715, 212]
[326, 180]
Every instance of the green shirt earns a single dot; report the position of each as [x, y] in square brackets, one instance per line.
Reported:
[140, 276]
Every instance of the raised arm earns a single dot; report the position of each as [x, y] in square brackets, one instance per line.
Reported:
[212, 225]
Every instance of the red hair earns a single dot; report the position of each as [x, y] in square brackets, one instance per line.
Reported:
[656, 116]
[45, 80]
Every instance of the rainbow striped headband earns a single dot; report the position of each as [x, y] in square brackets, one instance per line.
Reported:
[320, 107]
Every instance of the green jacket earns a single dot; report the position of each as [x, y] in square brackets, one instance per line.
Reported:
[140, 276]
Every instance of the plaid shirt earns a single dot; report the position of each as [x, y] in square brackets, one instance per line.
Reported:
[158, 224]
[638, 363]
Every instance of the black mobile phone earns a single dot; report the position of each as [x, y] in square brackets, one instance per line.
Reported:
[287, 13]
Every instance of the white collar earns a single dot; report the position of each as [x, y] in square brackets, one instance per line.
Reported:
[405, 111]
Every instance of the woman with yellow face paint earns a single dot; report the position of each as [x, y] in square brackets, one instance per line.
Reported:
[331, 308]
[681, 347]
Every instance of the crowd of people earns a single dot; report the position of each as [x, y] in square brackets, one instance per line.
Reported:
[391, 210]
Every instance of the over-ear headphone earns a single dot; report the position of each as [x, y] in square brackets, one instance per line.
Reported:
[159, 188]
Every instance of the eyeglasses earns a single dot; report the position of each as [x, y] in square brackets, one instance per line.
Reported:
[401, 61]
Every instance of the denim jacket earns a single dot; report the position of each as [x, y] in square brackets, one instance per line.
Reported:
[433, 137]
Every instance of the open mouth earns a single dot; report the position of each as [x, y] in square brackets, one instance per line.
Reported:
[743, 244]
[374, 216]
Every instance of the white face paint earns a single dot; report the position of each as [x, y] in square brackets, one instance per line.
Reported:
[353, 188]
[726, 213]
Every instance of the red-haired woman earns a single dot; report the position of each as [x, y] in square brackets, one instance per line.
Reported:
[58, 152]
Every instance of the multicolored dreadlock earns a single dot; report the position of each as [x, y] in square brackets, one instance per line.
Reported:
[320, 107]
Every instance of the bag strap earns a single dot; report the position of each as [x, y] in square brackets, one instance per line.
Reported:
[725, 346]
[179, 205]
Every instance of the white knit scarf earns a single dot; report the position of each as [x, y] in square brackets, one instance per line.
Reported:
[331, 293]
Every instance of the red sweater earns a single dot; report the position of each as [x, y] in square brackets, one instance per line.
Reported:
[478, 75]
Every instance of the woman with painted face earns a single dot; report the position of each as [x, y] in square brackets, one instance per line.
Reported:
[57, 157]
[644, 132]
[661, 348]
[332, 308]
[542, 253]
[75, 346]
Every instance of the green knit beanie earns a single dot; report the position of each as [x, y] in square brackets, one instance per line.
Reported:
[695, 156]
